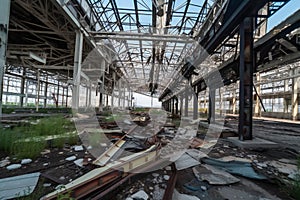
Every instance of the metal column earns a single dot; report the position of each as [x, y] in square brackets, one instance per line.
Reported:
[257, 109]
[22, 87]
[4, 22]
[195, 106]
[295, 95]
[246, 79]
[77, 69]
[212, 105]
[181, 104]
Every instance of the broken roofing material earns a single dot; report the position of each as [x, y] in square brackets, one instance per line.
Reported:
[18, 186]
[213, 175]
[234, 167]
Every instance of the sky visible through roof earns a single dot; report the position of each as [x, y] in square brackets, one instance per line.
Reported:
[291, 7]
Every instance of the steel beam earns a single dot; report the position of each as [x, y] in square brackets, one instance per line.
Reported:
[246, 79]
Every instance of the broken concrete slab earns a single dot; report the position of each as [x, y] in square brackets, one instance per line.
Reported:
[186, 161]
[234, 158]
[18, 186]
[283, 168]
[255, 143]
[234, 167]
[214, 176]
[142, 195]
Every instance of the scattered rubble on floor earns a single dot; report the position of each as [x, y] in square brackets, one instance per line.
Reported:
[179, 196]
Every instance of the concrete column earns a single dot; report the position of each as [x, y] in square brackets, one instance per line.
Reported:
[295, 94]
[77, 69]
[257, 109]
[67, 97]
[4, 22]
[195, 106]
[186, 102]
[212, 105]
[246, 79]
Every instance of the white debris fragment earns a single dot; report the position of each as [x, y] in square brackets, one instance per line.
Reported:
[89, 147]
[103, 144]
[203, 188]
[126, 121]
[283, 168]
[46, 184]
[4, 163]
[142, 195]
[26, 161]
[71, 158]
[13, 166]
[79, 162]
[78, 148]
[155, 174]
[166, 177]
[45, 164]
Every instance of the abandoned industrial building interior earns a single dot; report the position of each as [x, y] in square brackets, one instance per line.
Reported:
[150, 99]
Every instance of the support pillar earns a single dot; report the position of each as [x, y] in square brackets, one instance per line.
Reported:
[257, 109]
[112, 93]
[246, 79]
[212, 105]
[285, 100]
[37, 100]
[195, 106]
[173, 105]
[4, 22]
[295, 95]
[23, 87]
[46, 91]
[186, 104]
[221, 101]
[77, 69]
[181, 104]
[176, 106]
[57, 96]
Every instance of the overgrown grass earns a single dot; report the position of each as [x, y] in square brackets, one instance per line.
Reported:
[29, 141]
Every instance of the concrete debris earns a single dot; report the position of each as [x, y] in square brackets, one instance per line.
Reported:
[214, 176]
[79, 162]
[288, 161]
[46, 184]
[13, 166]
[234, 167]
[45, 164]
[204, 188]
[166, 177]
[46, 151]
[155, 175]
[126, 121]
[78, 148]
[26, 161]
[179, 196]
[185, 161]
[234, 158]
[140, 195]
[71, 158]
[283, 168]
[4, 162]
[18, 186]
